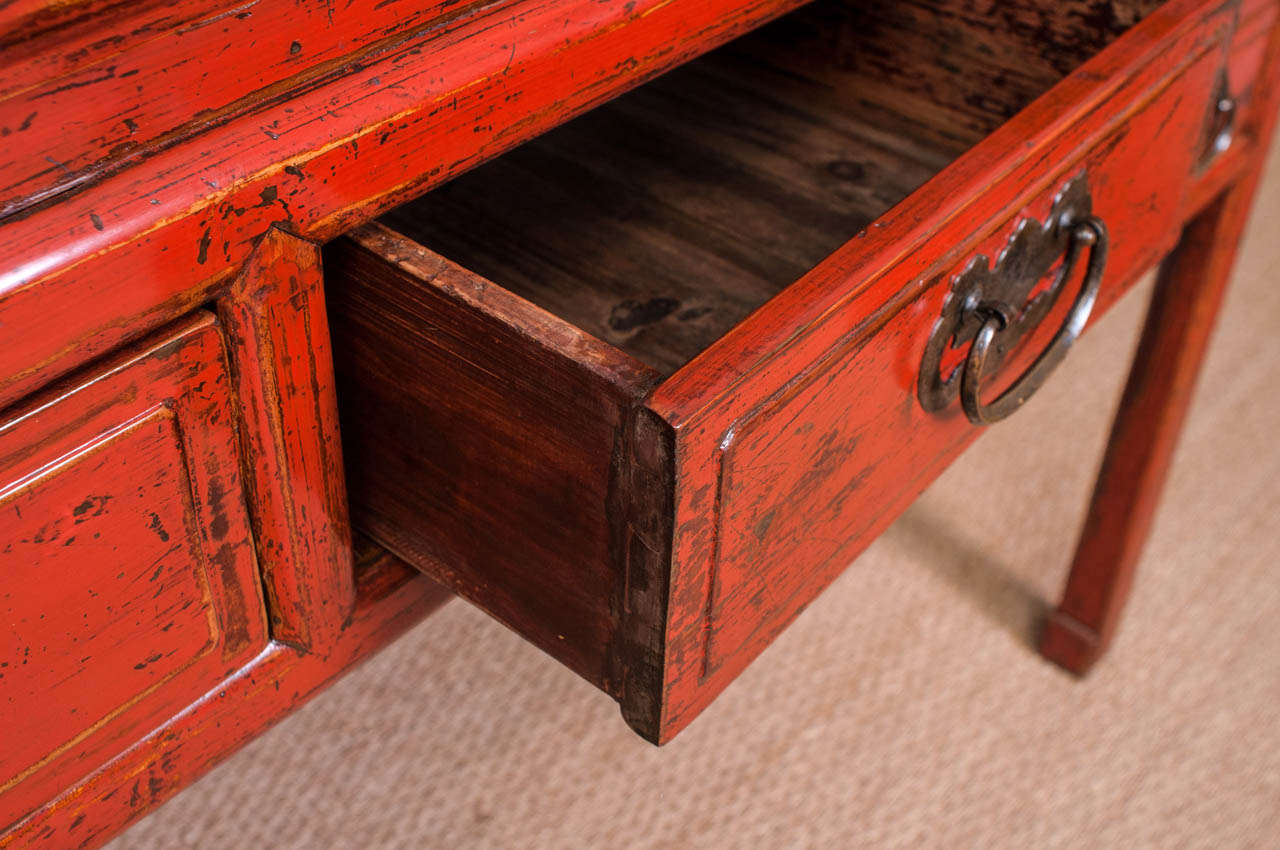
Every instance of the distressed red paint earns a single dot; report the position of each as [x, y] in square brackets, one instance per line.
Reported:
[213, 186]
[128, 582]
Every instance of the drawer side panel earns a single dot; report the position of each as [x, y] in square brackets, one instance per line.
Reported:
[482, 440]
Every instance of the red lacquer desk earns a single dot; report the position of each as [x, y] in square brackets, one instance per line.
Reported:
[639, 384]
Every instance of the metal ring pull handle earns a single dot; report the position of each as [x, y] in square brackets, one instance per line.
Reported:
[1090, 233]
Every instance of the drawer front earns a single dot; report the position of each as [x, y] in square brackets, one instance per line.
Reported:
[799, 436]
[128, 585]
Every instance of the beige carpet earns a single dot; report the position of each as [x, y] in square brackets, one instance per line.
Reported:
[905, 708]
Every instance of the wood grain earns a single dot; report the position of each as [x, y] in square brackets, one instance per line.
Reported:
[124, 252]
[955, 68]
[660, 220]
[481, 435]
[130, 251]
[798, 432]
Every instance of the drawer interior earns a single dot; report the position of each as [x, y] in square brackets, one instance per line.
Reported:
[660, 220]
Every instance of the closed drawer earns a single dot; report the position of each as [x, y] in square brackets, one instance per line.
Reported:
[128, 585]
[642, 387]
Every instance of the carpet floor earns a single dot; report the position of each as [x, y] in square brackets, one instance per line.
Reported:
[905, 708]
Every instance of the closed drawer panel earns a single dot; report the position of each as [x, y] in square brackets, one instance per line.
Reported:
[642, 387]
[127, 575]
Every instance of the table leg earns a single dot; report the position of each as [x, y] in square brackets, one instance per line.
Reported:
[1174, 340]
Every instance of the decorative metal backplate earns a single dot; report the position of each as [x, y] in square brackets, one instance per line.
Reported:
[1033, 251]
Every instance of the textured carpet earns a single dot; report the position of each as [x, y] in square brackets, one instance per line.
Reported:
[905, 708]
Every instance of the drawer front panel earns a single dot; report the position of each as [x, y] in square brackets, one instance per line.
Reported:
[127, 579]
[790, 459]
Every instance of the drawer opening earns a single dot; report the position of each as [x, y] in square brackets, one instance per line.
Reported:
[660, 220]
[507, 346]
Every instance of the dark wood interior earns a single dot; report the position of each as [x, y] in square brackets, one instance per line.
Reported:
[660, 220]
[499, 488]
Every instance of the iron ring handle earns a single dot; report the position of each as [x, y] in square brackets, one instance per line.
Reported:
[1090, 233]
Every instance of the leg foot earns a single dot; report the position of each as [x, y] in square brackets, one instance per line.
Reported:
[1069, 643]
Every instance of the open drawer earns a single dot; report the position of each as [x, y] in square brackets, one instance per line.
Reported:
[642, 387]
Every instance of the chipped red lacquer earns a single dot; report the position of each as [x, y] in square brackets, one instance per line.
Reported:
[128, 582]
[136, 231]
[293, 457]
[111, 93]
[240, 152]
[390, 598]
